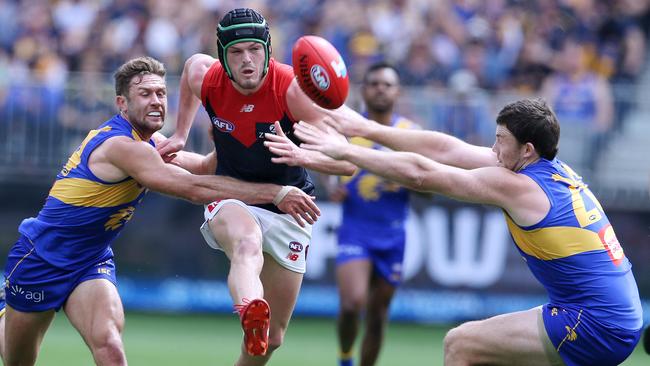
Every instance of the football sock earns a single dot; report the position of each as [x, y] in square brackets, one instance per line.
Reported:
[345, 358]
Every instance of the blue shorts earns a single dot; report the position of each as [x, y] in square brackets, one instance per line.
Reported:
[32, 284]
[581, 340]
[387, 262]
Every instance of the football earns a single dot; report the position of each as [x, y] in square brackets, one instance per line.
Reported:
[320, 71]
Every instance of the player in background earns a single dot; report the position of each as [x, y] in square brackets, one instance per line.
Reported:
[372, 235]
[250, 97]
[594, 316]
[63, 257]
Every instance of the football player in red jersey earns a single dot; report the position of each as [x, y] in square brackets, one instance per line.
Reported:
[249, 96]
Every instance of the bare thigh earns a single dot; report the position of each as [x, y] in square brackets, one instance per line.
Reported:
[353, 279]
[234, 224]
[509, 339]
[23, 334]
[94, 308]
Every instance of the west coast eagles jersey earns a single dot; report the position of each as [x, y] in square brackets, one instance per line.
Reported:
[373, 204]
[83, 214]
[574, 251]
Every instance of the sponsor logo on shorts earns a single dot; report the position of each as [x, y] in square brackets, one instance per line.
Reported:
[34, 296]
[295, 246]
[292, 256]
[350, 250]
[212, 206]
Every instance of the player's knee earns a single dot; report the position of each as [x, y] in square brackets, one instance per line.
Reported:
[108, 349]
[248, 246]
[276, 339]
[353, 305]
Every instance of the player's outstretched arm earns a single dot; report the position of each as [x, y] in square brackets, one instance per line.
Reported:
[142, 162]
[189, 101]
[288, 153]
[441, 147]
[302, 108]
[488, 185]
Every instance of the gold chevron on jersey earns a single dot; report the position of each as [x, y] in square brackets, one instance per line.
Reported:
[554, 242]
[87, 193]
[75, 158]
[405, 123]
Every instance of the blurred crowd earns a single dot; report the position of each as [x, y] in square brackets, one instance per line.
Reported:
[582, 55]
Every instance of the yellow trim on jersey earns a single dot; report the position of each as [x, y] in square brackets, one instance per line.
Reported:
[136, 135]
[554, 242]
[360, 141]
[405, 124]
[86, 193]
[75, 158]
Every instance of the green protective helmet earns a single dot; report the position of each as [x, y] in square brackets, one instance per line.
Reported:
[242, 25]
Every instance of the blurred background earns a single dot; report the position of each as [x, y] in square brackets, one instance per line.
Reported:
[460, 61]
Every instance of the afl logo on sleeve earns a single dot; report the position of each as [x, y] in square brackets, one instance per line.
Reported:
[222, 125]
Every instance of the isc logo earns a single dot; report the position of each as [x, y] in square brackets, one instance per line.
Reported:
[319, 77]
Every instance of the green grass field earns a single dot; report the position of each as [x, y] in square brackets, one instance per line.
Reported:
[192, 340]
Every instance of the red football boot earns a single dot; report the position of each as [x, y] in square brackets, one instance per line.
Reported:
[255, 319]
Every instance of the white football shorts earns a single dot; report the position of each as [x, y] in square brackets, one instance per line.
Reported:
[282, 237]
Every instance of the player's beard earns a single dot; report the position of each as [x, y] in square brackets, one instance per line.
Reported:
[249, 83]
[380, 107]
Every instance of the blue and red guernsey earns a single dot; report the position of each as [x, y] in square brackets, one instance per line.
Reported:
[239, 123]
[574, 251]
[83, 214]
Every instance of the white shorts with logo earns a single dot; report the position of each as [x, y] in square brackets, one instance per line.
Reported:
[282, 237]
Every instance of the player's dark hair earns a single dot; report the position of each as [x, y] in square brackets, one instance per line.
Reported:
[532, 120]
[242, 25]
[136, 67]
[378, 66]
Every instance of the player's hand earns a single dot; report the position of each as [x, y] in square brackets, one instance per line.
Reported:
[158, 138]
[300, 206]
[346, 121]
[287, 152]
[171, 145]
[324, 140]
[338, 194]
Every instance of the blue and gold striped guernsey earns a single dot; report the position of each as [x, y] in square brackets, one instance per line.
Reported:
[83, 214]
[574, 252]
[373, 204]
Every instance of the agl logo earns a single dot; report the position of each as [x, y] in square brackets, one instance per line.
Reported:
[35, 296]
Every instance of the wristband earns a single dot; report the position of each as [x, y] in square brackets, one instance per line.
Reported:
[283, 193]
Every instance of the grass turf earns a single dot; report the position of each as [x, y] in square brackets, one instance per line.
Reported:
[192, 340]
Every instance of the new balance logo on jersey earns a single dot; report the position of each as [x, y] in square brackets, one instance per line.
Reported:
[247, 108]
